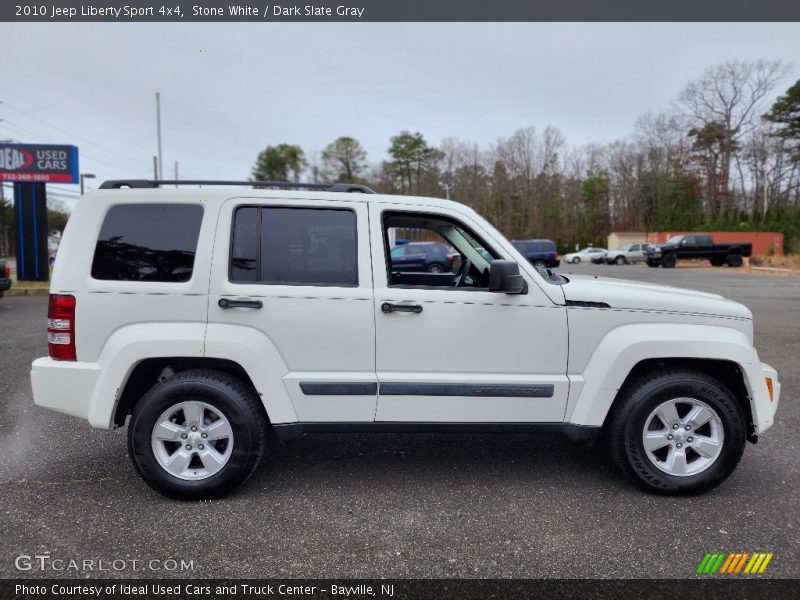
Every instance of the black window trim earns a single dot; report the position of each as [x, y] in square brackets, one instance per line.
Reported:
[387, 257]
[260, 208]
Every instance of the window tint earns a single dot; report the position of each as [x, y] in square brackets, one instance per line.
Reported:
[545, 246]
[244, 250]
[148, 242]
[294, 246]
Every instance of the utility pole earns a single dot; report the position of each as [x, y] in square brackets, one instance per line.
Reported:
[158, 130]
[155, 168]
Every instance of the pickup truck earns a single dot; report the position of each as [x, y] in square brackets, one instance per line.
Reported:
[697, 246]
[5, 277]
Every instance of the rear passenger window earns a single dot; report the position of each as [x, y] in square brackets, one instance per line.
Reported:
[148, 242]
[294, 246]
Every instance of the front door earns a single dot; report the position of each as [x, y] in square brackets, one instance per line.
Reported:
[298, 274]
[450, 351]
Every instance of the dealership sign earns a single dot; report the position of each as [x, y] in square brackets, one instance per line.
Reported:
[37, 163]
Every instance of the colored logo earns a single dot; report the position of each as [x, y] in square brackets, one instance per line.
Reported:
[731, 563]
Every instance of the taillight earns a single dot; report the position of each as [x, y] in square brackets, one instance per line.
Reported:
[61, 327]
[6, 271]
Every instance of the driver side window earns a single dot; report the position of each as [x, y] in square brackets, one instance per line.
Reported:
[433, 251]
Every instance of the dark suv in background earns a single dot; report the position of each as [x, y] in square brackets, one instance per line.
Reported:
[432, 257]
[538, 252]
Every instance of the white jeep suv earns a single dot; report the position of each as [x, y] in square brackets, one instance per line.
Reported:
[213, 317]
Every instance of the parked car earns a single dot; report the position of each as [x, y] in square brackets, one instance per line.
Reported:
[210, 319]
[432, 257]
[590, 254]
[5, 277]
[627, 254]
[540, 253]
[697, 246]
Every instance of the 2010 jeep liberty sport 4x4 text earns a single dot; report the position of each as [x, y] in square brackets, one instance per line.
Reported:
[210, 318]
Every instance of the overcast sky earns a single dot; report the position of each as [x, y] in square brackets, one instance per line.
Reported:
[229, 90]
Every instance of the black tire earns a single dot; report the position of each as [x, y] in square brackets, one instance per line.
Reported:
[539, 264]
[435, 268]
[668, 261]
[652, 263]
[734, 260]
[637, 400]
[239, 404]
[576, 260]
[717, 262]
[620, 260]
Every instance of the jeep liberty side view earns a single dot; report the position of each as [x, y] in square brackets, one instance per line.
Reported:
[208, 318]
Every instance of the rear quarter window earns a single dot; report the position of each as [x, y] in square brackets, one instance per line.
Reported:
[148, 242]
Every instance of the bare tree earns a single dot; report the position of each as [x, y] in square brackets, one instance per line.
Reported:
[725, 104]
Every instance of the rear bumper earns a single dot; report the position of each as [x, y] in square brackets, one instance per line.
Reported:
[64, 386]
[5, 284]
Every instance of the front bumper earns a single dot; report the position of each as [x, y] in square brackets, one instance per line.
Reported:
[767, 405]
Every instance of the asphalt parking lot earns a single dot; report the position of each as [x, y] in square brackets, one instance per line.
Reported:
[513, 505]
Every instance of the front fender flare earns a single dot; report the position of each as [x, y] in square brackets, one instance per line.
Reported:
[593, 392]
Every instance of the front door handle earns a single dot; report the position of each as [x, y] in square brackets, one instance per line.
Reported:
[387, 308]
[228, 303]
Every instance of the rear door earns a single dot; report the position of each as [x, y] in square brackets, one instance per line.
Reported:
[298, 272]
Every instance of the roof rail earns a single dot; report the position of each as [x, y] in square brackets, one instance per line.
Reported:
[116, 184]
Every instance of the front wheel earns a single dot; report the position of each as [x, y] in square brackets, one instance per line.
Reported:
[620, 260]
[668, 261]
[197, 435]
[576, 260]
[678, 432]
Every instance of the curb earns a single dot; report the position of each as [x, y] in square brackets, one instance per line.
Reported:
[26, 291]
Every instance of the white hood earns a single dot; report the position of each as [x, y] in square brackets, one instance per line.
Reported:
[621, 293]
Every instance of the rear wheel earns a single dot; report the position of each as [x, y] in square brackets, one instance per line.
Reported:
[539, 264]
[435, 268]
[734, 260]
[678, 432]
[197, 435]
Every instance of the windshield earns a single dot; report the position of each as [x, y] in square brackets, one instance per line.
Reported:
[675, 239]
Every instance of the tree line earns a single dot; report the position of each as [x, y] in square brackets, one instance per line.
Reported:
[724, 156]
[57, 216]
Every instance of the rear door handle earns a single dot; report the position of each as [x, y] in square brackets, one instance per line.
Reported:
[228, 303]
[387, 308]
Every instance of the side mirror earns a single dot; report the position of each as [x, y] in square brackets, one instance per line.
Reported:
[504, 277]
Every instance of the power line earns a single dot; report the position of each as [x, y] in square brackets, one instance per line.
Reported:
[70, 117]
[69, 133]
